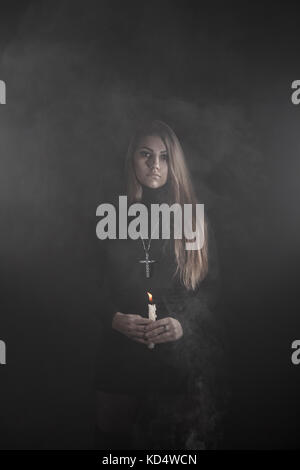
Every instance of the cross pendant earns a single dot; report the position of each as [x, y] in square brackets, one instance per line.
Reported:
[147, 262]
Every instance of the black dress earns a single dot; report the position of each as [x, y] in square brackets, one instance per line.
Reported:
[179, 379]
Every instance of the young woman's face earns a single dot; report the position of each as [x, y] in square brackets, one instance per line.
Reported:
[151, 161]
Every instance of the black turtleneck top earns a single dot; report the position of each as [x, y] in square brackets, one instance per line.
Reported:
[127, 366]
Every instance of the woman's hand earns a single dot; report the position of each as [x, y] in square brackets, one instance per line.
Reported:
[164, 330]
[132, 326]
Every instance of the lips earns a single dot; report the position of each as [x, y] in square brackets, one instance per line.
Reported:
[154, 175]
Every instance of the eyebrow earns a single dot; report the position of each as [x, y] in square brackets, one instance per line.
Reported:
[148, 148]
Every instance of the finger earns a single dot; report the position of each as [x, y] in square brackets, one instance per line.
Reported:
[133, 328]
[139, 334]
[153, 333]
[143, 321]
[157, 324]
[141, 328]
[165, 338]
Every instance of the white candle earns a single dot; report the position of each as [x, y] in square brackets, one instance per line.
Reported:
[152, 315]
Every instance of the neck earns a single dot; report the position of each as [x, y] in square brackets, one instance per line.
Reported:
[155, 195]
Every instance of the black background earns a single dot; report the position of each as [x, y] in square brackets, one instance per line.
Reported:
[79, 76]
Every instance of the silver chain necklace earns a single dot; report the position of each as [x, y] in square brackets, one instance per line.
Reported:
[148, 261]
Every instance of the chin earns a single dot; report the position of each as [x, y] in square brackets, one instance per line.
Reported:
[153, 184]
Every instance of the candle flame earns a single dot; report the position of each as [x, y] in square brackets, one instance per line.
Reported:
[150, 296]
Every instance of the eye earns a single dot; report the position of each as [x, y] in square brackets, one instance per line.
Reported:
[145, 153]
[164, 156]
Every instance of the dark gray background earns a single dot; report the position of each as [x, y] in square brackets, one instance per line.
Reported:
[79, 76]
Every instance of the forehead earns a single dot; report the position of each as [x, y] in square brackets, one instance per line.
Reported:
[153, 142]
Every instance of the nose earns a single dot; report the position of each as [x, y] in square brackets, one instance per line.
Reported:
[154, 163]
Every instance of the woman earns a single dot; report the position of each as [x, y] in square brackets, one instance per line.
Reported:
[162, 397]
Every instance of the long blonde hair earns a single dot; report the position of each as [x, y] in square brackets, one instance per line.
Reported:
[192, 265]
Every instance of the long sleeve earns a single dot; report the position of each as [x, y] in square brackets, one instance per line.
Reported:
[201, 346]
[201, 349]
[107, 305]
[192, 307]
